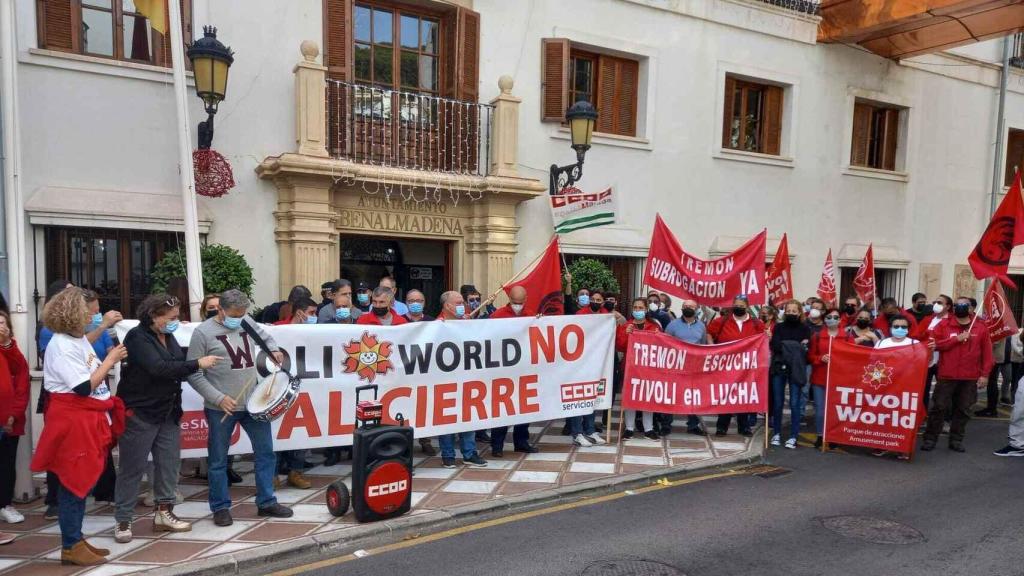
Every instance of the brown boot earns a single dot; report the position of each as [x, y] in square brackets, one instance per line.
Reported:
[95, 550]
[80, 555]
[296, 479]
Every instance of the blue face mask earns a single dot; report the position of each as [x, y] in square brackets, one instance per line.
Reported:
[310, 320]
[170, 327]
[639, 314]
[899, 332]
[95, 321]
[342, 313]
[584, 300]
[363, 298]
[460, 310]
[232, 323]
[416, 307]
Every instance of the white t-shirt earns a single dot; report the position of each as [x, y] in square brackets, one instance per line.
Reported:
[69, 362]
[891, 343]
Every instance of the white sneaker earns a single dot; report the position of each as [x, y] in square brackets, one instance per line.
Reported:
[791, 443]
[581, 441]
[596, 439]
[123, 532]
[10, 515]
[776, 440]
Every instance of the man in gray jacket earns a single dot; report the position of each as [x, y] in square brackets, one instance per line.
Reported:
[225, 389]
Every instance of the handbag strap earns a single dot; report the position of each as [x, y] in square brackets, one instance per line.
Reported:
[263, 345]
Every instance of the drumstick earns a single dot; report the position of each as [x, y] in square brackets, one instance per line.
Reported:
[240, 395]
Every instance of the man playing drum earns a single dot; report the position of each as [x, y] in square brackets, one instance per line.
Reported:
[226, 388]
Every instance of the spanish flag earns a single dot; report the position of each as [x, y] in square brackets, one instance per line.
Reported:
[156, 11]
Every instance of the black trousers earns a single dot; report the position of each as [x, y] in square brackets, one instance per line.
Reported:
[8, 459]
[742, 422]
[958, 396]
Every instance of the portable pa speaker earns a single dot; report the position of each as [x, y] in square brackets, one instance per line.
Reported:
[381, 472]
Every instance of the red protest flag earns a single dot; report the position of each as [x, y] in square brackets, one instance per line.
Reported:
[991, 256]
[827, 284]
[864, 281]
[780, 275]
[709, 282]
[998, 315]
[543, 284]
[874, 396]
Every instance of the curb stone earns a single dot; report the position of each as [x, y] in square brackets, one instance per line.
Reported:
[317, 547]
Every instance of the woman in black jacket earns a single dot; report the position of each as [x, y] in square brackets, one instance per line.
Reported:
[150, 387]
[789, 366]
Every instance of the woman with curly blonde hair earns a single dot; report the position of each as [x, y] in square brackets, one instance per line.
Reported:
[82, 418]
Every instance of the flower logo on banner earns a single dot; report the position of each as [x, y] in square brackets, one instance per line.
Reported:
[877, 375]
[367, 357]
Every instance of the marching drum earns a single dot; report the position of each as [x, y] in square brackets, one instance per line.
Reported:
[273, 396]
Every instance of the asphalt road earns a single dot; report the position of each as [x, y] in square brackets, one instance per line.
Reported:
[968, 509]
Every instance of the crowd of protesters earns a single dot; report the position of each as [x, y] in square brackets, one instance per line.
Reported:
[84, 416]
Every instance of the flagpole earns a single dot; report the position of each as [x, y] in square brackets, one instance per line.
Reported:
[828, 380]
[513, 278]
[193, 269]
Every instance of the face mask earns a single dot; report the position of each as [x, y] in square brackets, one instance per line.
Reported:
[739, 311]
[381, 312]
[689, 312]
[938, 308]
[342, 313]
[517, 308]
[211, 314]
[363, 298]
[807, 308]
[584, 300]
[594, 306]
[792, 318]
[815, 313]
[460, 310]
[653, 307]
[849, 309]
[310, 320]
[900, 332]
[639, 315]
[609, 306]
[921, 307]
[831, 322]
[416, 307]
[863, 323]
[474, 304]
[232, 323]
[962, 310]
[96, 319]
[170, 327]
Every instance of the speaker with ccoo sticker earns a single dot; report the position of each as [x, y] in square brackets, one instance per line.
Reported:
[381, 463]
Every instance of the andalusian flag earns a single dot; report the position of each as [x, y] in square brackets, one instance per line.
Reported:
[156, 11]
[576, 210]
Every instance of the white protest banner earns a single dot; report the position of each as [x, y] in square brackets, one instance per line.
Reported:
[443, 377]
[576, 210]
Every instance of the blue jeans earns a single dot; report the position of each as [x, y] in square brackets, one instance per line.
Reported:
[263, 451]
[288, 460]
[779, 382]
[467, 444]
[520, 437]
[819, 409]
[70, 517]
[582, 425]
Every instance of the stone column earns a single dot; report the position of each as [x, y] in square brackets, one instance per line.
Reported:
[505, 131]
[310, 103]
[491, 244]
[306, 236]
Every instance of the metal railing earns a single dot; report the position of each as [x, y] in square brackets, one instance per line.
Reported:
[1017, 50]
[810, 7]
[385, 127]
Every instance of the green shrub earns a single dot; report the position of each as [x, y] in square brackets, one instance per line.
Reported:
[593, 275]
[223, 268]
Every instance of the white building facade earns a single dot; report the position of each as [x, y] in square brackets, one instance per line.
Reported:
[724, 116]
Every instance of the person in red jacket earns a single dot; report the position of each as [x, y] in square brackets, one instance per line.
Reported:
[516, 308]
[729, 328]
[14, 396]
[640, 321]
[965, 359]
[595, 303]
[889, 312]
[818, 355]
[851, 305]
[381, 312]
[942, 309]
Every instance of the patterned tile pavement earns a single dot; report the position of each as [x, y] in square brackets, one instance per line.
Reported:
[559, 463]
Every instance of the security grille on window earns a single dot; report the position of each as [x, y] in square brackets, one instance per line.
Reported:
[1014, 155]
[875, 136]
[610, 83]
[752, 117]
[107, 29]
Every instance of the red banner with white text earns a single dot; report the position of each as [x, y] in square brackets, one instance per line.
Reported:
[998, 314]
[709, 282]
[780, 275]
[667, 375]
[875, 397]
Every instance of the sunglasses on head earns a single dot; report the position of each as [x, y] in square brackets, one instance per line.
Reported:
[172, 302]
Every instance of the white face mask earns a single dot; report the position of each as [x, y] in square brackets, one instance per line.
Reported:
[938, 308]
[517, 308]
[653, 307]
[815, 313]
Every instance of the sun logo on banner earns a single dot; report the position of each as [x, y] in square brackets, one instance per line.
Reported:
[367, 357]
[877, 375]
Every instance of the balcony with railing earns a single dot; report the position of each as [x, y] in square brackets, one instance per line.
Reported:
[809, 7]
[1017, 51]
[390, 128]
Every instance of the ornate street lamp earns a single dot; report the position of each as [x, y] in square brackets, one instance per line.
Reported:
[210, 63]
[581, 118]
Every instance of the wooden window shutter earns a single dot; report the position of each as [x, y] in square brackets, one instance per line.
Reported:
[890, 141]
[772, 138]
[467, 62]
[608, 73]
[338, 39]
[163, 43]
[625, 109]
[861, 134]
[1014, 155]
[57, 25]
[730, 96]
[555, 80]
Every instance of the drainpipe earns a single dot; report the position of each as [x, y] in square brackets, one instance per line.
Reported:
[4, 287]
[997, 165]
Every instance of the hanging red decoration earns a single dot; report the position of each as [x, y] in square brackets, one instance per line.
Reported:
[213, 173]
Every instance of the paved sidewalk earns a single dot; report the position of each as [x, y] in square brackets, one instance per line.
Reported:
[558, 467]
